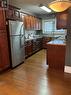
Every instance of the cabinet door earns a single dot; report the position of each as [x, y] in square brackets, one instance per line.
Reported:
[56, 56]
[27, 22]
[4, 53]
[30, 49]
[9, 13]
[2, 19]
[36, 23]
[12, 14]
[62, 20]
[45, 41]
[32, 22]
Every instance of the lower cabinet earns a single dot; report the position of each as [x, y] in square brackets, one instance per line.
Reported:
[28, 48]
[4, 53]
[37, 44]
[45, 40]
[56, 55]
[32, 46]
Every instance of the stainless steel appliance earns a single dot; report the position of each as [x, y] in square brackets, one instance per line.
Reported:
[16, 29]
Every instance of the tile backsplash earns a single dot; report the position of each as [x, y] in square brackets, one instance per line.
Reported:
[29, 33]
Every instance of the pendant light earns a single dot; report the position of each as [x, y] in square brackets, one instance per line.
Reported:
[60, 5]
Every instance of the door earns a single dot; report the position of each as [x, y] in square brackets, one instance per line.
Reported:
[22, 40]
[4, 53]
[2, 19]
[15, 50]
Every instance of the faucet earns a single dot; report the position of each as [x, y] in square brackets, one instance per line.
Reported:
[28, 36]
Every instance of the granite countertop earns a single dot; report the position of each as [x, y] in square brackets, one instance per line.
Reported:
[57, 42]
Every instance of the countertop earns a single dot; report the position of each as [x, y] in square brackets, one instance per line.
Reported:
[57, 42]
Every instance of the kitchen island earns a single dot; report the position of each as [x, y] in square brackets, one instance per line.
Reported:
[56, 54]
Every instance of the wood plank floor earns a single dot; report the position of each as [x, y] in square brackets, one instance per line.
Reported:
[34, 78]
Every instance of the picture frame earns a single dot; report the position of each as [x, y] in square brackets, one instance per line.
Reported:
[16, 14]
[4, 3]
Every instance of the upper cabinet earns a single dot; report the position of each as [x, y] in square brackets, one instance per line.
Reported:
[2, 19]
[63, 20]
[12, 13]
[27, 21]
[32, 23]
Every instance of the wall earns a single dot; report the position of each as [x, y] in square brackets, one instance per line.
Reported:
[29, 33]
[68, 48]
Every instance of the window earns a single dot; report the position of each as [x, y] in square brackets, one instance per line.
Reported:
[49, 26]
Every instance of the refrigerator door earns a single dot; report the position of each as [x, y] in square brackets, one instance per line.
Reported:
[22, 40]
[15, 27]
[15, 50]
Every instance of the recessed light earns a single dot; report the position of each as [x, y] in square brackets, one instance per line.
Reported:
[45, 9]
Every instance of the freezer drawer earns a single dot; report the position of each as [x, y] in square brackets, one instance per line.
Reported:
[17, 52]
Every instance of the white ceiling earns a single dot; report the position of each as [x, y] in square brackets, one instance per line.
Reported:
[31, 6]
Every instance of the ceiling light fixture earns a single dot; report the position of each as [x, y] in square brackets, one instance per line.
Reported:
[60, 5]
[45, 8]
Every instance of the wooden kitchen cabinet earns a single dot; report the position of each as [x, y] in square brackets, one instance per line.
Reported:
[28, 48]
[32, 46]
[56, 55]
[2, 19]
[63, 19]
[9, 13]
[27, 22]
[38, 44]
[45, 41]
[12, 13]
[37, 24]
[4, 53]
[32, 23]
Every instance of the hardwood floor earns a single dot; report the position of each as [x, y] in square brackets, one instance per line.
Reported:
[34, 78]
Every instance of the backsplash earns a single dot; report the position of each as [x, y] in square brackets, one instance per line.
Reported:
[32, 33]
[29, 33]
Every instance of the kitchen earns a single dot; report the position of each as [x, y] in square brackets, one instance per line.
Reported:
[24, 34]
[28, 33]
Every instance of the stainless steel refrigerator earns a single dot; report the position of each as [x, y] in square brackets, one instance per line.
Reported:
[16, 31]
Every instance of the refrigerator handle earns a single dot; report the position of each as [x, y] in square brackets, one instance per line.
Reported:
[11, 34]
[21, 36]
